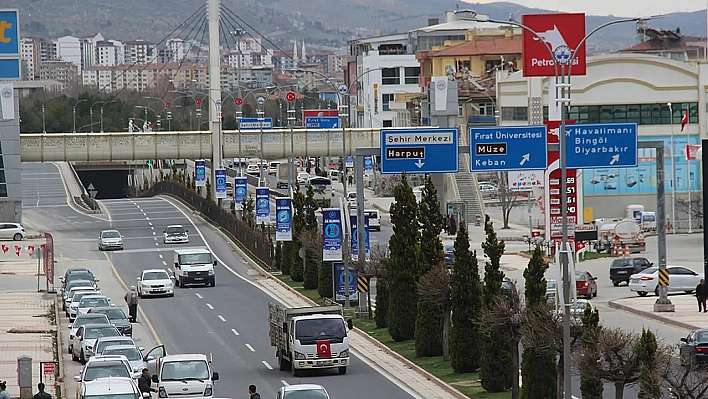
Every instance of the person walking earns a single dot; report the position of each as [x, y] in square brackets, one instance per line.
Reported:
[3, 390]
[41, 394]
[131, 298]
[145, 383]
[702, 295]
[252, 392]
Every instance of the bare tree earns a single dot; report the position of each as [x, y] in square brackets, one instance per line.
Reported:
[435, 287]
[506, 318]
[618, 361]
[683, 380]
[695, 204]
[312, 241]
[507, 197]
[377, 266]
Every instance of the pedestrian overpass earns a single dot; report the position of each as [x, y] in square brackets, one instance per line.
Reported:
[125, 146]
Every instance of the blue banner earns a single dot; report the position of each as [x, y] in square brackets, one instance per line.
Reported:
[355, 238]
[200, 172]
[262, 205]
[340, 283]
[240, 191]
[368, 164]
[283, 219]
[220, 177]
[332, 234]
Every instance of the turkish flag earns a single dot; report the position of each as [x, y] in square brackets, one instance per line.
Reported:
[5, 249]
[323, 349]
[684, 119]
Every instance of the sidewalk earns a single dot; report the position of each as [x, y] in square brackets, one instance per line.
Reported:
[685, 315]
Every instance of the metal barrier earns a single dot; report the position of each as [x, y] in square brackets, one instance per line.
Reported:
[258, 244]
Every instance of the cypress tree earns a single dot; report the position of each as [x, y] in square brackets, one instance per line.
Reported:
[538, 366]
[324, 282]
[286, 257]
[649, 383]
[466, 306]
[404, 261]
[429, 321]
[590, 387]
[276, 256]
[248, 212]
[299, 225]
[312, 270]
[381, 313]
[496, 361]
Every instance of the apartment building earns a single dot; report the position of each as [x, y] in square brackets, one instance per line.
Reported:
[62, 71]
[139, 52]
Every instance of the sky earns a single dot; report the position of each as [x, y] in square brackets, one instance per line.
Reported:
[622, 8]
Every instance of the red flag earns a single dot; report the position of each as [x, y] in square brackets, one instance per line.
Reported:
[5, 249]
[323, 349]
[17, 250]
[684, 119]
[30, 249]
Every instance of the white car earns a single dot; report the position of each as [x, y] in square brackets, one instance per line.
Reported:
[105, 367]
[111, 387]
[72, 309]
[105, 342]
[309, 391]
[374, 219]
[69, 294]
[110, 239]
[175, 234]
[92, 301]
[85, 339]
[351, 199]
[135, 358]
[681, 279]
[253, 169]
[155, 282]
[13, 231]
[303, 177]
[83, 320]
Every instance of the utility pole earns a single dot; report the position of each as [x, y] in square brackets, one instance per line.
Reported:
[214, 10]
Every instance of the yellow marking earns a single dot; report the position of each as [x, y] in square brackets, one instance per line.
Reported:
[140, 309]
[4, 25]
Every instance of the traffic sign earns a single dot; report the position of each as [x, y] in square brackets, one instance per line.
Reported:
[290, 96]
[261, 100]
[199, 101]
[419, 150]
[256, 123]
[218, 103]
[92, 190]
[508, 148]
[322, 122]
[602, 145]
[239, 101]
[169, 105]
[342, 89]
[49, 368]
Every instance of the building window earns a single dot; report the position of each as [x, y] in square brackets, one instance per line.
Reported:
[387, 123]
[412, 74]
[489, 65]
[391, 76]
[641, 114]
[515, 113]
[386, 100]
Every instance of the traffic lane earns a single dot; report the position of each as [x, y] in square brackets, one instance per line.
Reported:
[42, 185]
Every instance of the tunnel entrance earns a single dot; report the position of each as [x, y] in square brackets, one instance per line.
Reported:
[109, 184]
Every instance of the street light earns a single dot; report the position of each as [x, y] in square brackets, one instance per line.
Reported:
[74, 111]
[44, 125]
[112, 101]
[91, 111]
[673, 171]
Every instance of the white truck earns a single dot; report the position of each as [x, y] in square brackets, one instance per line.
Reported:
[625, 232]
[185, 376]
[193, 266]
[309, 338]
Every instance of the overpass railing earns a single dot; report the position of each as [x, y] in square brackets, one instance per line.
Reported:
[258, 244]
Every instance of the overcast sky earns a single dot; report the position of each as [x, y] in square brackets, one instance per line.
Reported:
[624, 8]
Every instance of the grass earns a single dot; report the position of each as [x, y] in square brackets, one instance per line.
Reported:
[467, 383]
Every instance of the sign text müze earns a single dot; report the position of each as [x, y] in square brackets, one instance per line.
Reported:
[405, 152]
[490, 149]
[423, 138]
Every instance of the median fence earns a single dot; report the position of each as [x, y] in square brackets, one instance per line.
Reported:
[258, 244]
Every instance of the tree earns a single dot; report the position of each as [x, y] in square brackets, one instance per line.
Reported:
[538, 365]
[382, 303]
[466, 294]
[286, 257]
[404, 259]
[209, 197]
[496, 360]
[434, 292]
[276, 256]
[618, 361]
[590, 387]
[312, 242]
[299, 225]
[507, 197]
[685, 380]
[649, 383]
[248, 212]
[310, 209]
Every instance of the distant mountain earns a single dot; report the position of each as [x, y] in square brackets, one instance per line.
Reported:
[322, 23]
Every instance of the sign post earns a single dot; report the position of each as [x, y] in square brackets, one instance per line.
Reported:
[419, 151]
[262, 205]
[240, 192]
[332, 235]
[284, 219]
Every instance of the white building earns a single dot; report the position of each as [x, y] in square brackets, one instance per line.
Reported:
[139, 52]
[174, 51]
[88, 49]
[110, 53]
[69, 50]
[30, 53]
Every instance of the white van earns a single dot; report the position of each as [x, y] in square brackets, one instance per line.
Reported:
[374, 219]
[185, 376]
[334, 175]
[193, 266]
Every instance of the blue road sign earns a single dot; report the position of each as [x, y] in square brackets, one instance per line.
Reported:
[508, 148]
[220, 186]
[9, 68]
[340, 283]
[321, 122]
[602, 145]
[419, 150]
[9, 33]
[255, 123]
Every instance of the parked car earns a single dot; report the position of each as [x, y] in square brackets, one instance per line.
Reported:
[116, 316]
[110, 239]
[680, 279]
[83, 320]
[77, 274]
[85, 339]
[551, 290]
[105, 367]
[374, 219]
[75, 286]
[622, 269]
[694, 348]
[449, 253]
[577, 308]
[585, 284]
[488, 190]
[112, 387]
[72, 308]
[14, 231]
[135, 358]
[105, 342]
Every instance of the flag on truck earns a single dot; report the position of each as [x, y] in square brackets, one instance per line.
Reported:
[324, 351]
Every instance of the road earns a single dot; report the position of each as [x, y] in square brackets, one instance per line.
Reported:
[202, 320]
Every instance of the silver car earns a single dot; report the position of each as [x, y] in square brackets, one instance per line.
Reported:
[110, 239]
[85, 340]
[309, 391]
[105, 342]
[135, 358]
[83, 320]
[72, 308]
[175, 234]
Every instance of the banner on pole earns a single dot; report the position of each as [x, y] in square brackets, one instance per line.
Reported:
[262, 205]
[240, 192]
[200, 172]
[332, 234]
[284, 219]
[355, 238]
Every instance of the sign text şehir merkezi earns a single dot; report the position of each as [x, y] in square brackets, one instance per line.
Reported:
[426, 138]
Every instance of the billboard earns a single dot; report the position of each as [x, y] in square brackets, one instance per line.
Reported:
[525, 180]
[319, 113]
[284, 219]
[562, 33]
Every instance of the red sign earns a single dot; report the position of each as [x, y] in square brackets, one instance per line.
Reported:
[535, 234]
[49, 368]
[319, 112]
[554, 221]
[199, 101]
[692, 151]
[290, 96]
[169, 105]
[562, 33]
[239, 101]
[324, 351]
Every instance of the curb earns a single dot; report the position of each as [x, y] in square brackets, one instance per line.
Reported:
[430, 377]
[60, 349]
[651, 315]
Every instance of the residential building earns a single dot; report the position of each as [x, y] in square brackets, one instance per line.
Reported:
[110, 53]
[62, 71]
[30, 54]
[88, 49]
[668, 43]
[176, 49]
[328, 59]
[139, 52]
[69, 49]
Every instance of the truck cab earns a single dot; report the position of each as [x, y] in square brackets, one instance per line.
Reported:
[185, 376]
[193, 266]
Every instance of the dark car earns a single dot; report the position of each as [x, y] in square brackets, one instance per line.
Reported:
[622, 269]
[449, 251]
[282, 185]
[694, 348]
[77, 274]
[585, 284]
[116, 316]
[510, 289]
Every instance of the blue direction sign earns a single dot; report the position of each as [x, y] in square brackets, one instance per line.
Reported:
[255, 123]
[508, 148]
[419, 150]
[321, 122]
[602, 145]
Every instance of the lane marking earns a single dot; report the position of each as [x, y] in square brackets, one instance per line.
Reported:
[267, 365]
[284, 382]
[140, 309]
[156, 244]
[164, 263]
[209, 306]
[199, 295]
[221, 318]
[153, 233]
[160, 255]
[250, 348]
[233, 330]
[150, 223]
[147, 218]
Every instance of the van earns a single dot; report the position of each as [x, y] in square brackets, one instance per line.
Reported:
[193, 266]
[229, 189]
[351, 199]
[374, 219]
[647, 221]
[334, 175]
[185, 376]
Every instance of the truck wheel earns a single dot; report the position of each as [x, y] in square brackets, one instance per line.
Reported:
[295, 372]
[282, 363]
[343, 370]
[616, 283]
[180, 283]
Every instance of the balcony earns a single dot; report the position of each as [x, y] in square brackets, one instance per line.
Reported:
[481, 119]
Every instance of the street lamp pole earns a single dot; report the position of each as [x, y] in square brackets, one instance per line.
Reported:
[44, 125]
[673, 171]
[74, 111]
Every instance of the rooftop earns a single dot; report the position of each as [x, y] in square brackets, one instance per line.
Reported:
[483, 46]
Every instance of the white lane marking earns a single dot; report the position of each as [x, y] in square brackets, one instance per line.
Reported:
[153, 233]
[144, 214]
[164, 263]
[155, 238]
[284, 382]
[233, 330]
[221, 318]
[160, 255]
[209, 306]
[147, 218]
[250, 348]
[199, 295]
[156, 242]
[267, 365]
[150, 223]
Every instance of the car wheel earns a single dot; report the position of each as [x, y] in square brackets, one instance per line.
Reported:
[71, 350]
[17, 237]
[82, 358]
[642, 293]
[689, 292]
[594, 294]
[180, 283]
[140, 293]
[616, 283]
[73, 356]
[171, 295]
[343, 370]
[295, 372]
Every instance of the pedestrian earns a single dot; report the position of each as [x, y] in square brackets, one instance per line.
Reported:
[131, 298]
[702, 295]
[3, 390]
[41, 394]
[144, 382]
[351, 180]
[252, 392]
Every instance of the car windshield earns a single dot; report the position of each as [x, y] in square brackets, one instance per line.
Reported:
[113, 396]
[372, 214]
[113, 313]
[80, 276]
[315, 393]
[195, 259]
[105, 370]
[98, 319]
[649, 218]
[650, 270]
[448, 249]
[175, 230]
[185, 370]
[93, 302]
[132, 353]
[156, 276]
[98, 332]
[580, 276]
[316, 329]
[110, 234]
[621, 263]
